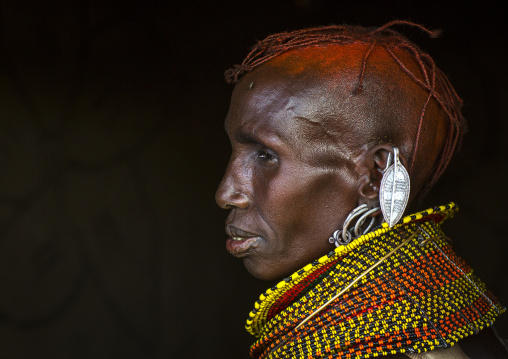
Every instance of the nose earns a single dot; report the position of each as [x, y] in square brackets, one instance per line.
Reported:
[233, 189]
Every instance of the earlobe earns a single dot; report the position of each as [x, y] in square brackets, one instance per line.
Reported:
[374, 163]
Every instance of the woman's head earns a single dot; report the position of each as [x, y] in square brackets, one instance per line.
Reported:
[311, 128]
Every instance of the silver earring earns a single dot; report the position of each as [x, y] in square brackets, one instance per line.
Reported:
[344, 236]
[394, 189]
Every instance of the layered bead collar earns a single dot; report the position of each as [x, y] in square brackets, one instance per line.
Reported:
[393, 290]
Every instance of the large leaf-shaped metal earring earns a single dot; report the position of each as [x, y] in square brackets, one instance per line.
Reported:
[394, 190]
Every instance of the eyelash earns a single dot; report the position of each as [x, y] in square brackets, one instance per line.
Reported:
[266, 156]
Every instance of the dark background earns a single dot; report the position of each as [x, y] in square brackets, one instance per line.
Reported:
[111, 147]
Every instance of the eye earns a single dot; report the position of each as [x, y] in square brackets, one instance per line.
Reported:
[266, 157]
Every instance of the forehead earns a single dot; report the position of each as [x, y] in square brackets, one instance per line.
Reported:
[266, 102]
[297, 87]
[295, 109]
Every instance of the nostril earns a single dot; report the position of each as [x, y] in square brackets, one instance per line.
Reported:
[227, 197]
[238, 200]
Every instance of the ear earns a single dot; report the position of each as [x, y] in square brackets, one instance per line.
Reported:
[373, 163]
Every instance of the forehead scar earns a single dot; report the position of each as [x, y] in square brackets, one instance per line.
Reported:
[317, 127]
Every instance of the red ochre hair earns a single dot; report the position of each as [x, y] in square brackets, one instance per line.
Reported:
[434, 81]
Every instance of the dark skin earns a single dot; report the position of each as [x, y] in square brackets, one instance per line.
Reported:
[283, 194]
[306, 151]
[303, 157]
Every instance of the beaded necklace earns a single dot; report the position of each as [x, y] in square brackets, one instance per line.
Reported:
[398, 290]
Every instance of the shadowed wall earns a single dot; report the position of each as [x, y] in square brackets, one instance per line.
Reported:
[111, 147]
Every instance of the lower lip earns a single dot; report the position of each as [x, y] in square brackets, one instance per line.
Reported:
[243, 246]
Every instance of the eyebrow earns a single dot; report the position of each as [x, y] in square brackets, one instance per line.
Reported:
[243, 137]
[246, 138]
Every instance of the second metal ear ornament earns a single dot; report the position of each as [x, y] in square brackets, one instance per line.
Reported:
[394, 190]
[345, 235]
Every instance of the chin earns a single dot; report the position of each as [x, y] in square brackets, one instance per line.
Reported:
[255, 270]
[264, 271]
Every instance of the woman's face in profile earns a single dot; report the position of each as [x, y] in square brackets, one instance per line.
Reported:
[285, 199]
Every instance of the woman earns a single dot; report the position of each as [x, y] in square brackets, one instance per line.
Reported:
[334, 130]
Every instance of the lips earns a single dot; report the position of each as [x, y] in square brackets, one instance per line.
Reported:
[240, 242]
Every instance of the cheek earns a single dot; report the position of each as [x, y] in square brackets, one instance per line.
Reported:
[300, 201]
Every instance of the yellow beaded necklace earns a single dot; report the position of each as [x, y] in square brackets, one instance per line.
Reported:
[389, 291]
